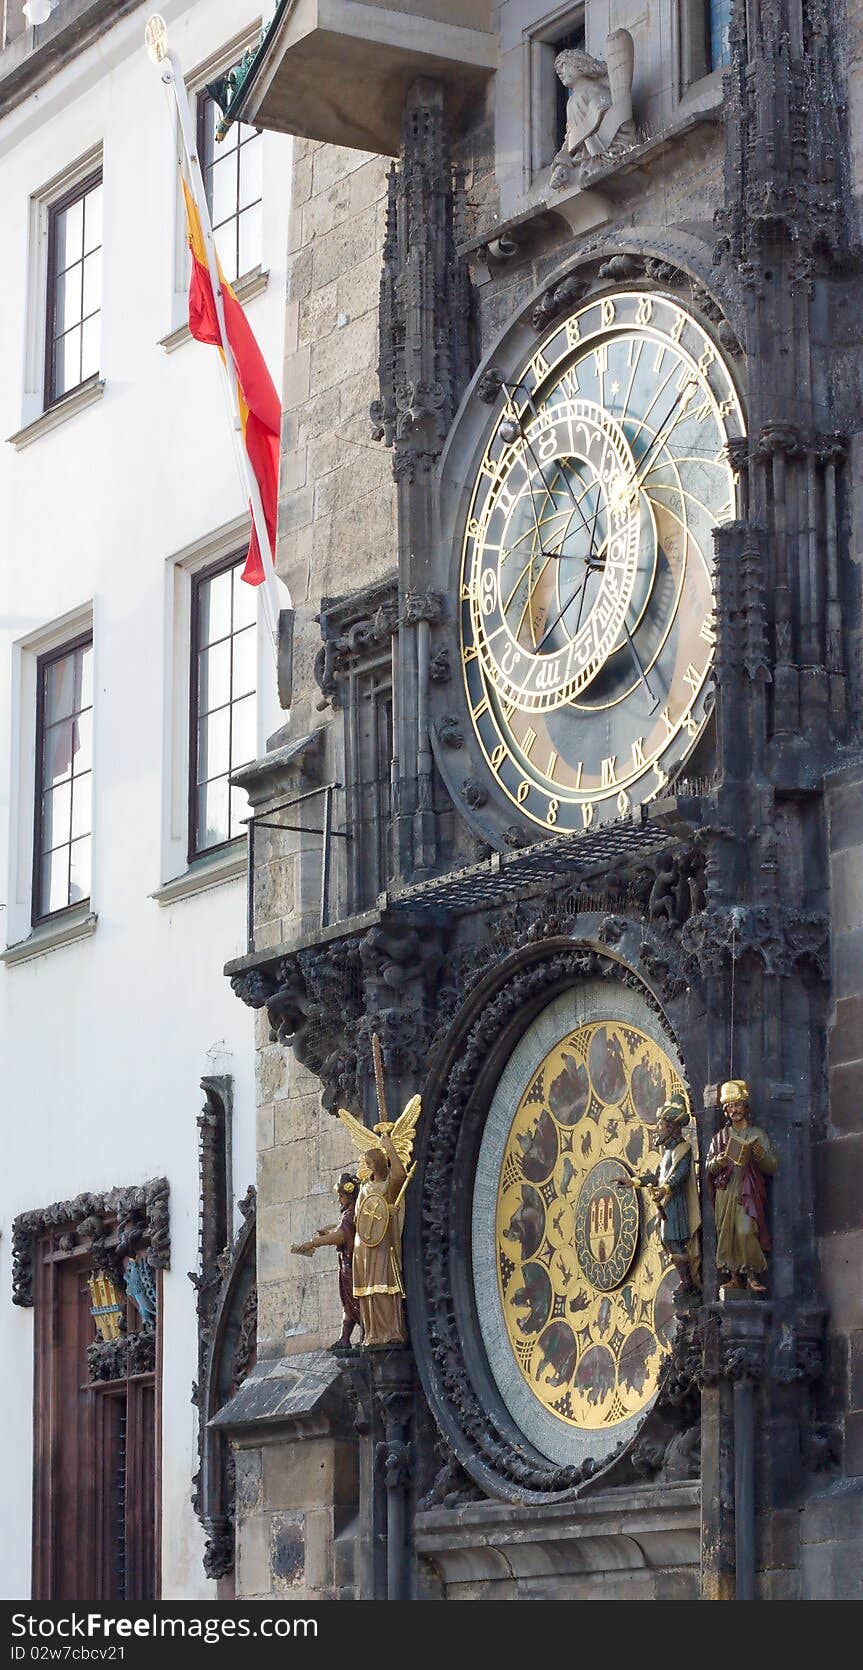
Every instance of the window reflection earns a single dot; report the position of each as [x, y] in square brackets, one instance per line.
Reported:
[224, 703]
[232, 178]
[64, 791]
[719, 26]
[74, 290]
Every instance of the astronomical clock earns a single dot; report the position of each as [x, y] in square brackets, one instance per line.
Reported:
[575, 1291]
[582, 563]
[579, 494]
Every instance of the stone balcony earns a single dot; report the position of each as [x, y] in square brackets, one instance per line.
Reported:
[339, 70]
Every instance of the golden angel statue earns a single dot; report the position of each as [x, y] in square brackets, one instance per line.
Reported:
[385, 1172]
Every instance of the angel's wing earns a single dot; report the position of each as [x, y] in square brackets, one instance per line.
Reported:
[404, 1131]
[358, 1133]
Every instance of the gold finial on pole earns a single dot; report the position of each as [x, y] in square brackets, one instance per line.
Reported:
[378, 1059]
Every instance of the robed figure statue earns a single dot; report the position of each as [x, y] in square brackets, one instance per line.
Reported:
[739, 1160]
[674, 1187]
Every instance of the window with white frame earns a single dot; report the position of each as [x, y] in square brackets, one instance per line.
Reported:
[74, 288]
[223, 701]
[232, 170]
[64, 776]
[63, 366]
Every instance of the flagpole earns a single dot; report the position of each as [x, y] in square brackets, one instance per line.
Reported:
[172, 79]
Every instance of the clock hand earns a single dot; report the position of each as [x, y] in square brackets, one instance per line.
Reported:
[590, 568]
[636, 480]
[641, 673]
[549, 556]
[641, 471]
[528, 444]
[591, 565]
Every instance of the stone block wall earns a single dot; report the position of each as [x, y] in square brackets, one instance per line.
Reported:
[337, 511]
[832, 1521]
[301, 1151]
[337, 532]
[293, 1501]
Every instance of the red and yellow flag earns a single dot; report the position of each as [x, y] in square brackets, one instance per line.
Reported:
[260, 410]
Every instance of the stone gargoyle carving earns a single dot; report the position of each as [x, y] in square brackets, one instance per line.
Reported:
[599, 120]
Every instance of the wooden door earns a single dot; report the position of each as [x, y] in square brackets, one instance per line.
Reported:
[94, 1507]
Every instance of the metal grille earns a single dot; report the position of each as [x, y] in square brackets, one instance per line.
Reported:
[561, 858]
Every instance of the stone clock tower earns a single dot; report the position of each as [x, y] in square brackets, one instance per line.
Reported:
[566, 808]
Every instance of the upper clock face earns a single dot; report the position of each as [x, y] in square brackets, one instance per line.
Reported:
[586, 597]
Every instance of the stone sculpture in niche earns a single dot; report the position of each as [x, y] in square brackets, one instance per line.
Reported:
[599, 120]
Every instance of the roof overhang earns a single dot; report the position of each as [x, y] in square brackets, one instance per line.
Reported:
[339, 70]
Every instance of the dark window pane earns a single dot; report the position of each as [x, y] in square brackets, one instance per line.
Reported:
[212, 813]
[214, 682]
[81, 808]
[69, 234]
[56, 813]
[79, 871]
[93, 219]
[84, 658]
[54, 881]
[245, 662]
[67, 306]
[214, 744]
[57, 753]
[211, 115]
[67, 362]
[214, 609]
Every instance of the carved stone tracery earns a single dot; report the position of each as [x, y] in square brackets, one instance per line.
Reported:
[228, 1312]
[354, 628]
[110, 1226]
[425, 299]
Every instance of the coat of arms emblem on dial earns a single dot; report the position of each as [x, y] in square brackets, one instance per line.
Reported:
[586, 597]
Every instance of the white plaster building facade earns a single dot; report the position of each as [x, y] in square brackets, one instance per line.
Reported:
[111, 499]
